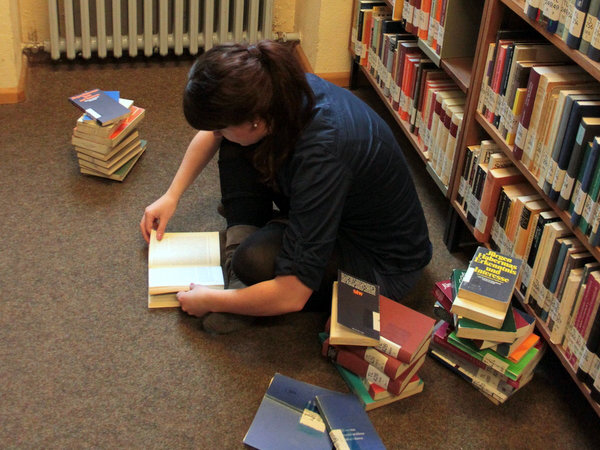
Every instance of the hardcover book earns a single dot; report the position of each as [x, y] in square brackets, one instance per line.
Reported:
[288, 418]
[100, 106]
[347, 422]
[490, 279]
[470, 329]
[404, 331]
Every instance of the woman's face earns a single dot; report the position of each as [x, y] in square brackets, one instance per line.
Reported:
[245, 134]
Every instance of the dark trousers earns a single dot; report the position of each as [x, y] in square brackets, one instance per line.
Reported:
[249, 201]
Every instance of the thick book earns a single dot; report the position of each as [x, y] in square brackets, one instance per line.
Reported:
[287, 417]
[100, 106]
[470, 329]
[490, 279]
[180, 259]
[404, 331]
[347, 422]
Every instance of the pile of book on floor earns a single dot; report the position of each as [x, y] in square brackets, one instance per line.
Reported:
[378, 345]
[480, 335]
[296, 415]
[106, 139]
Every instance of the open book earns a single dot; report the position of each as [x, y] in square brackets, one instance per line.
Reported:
[178, 260]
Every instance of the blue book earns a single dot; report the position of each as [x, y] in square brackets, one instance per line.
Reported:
[100, 106]
[586, 181]
[581, 108]
[288, 418]
[588, 128]
[347, 422]
[575, 25]
[115, 95]
[593, 52]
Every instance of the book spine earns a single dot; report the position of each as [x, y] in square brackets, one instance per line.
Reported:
[521, 135]
[575, 27]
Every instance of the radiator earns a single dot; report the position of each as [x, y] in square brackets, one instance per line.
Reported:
[84, 28]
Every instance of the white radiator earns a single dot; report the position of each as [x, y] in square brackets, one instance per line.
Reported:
[124, 27]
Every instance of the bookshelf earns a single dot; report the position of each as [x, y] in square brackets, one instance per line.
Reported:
[467, 70]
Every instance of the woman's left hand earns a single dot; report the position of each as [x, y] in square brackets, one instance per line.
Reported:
[193, 301]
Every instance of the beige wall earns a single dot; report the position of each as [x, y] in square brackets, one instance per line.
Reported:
[324, 27]
[10, 44]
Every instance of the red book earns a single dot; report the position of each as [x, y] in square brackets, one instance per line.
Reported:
[392, 367]
[408, 81]
[442, 291]
[362, 368]
[582, 324]
[494, 181]
[532, 85]
[404, 48]
[403, 331]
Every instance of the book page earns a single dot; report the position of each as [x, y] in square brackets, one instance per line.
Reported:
[163, 280]
[184, 249]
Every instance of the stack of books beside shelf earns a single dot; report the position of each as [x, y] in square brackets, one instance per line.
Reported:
[294, 414]
[106, 137]
[379, 358]
[480, 335]
[576, 23]
[422, 96]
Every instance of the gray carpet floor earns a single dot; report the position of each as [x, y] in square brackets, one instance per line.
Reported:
[85, 364]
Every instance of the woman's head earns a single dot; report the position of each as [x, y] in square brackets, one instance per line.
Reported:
[227, 85]
[239, 85]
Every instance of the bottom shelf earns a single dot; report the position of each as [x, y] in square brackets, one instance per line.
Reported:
[557, 349]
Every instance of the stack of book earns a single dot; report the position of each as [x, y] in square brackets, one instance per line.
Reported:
[480, 335]
[377, 344]
[106, 139]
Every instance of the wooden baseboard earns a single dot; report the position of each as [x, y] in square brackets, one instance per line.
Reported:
[15, 94]
[341, 79]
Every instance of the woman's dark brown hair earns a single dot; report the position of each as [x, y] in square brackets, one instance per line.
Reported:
[235, 83]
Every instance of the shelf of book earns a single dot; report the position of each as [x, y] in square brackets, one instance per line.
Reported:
[468, 73]
[459, 70]
[558, 351]
[579, 58]
[564, 216]
[402, 123]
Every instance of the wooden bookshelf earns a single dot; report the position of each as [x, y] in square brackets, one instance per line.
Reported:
[467, 71]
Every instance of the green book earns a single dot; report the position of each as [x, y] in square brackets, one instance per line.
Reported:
[470, 329]
[497, 362]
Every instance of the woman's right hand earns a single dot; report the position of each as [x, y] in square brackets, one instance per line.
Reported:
[157, 215]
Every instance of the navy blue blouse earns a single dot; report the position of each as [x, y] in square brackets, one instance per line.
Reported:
[347, 180]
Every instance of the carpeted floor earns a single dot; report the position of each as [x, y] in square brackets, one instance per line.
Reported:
[84, 363]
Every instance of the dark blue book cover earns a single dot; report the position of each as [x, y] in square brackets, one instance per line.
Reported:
[580, 108]
[358, 305]
[347, 422]
[576, 24]
[288, 418]
[100, 106]
[586, 179]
